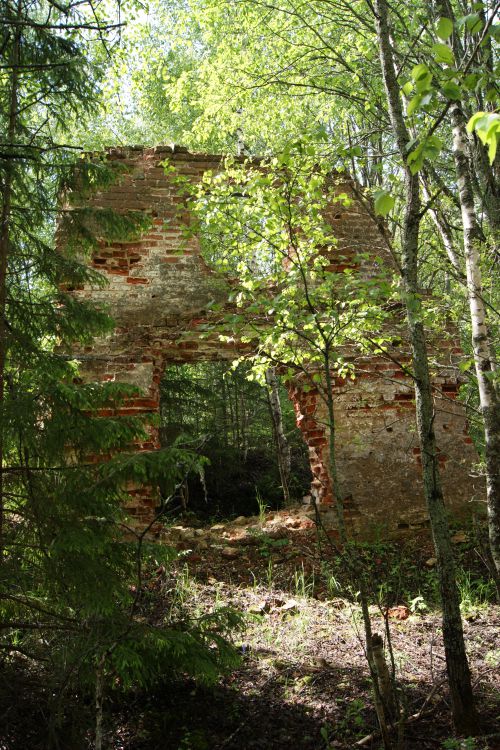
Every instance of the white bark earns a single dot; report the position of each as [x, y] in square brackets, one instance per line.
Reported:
[483, 359]
[462, 700]
[444, 232]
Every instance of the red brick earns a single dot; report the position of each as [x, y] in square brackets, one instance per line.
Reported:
[364, 413]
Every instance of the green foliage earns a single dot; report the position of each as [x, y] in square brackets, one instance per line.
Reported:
[224, 411]
[267, 226]
[384, 202]
[210, 75]
[194, 740]
[303, 74]
[444, 28]
[468, 743]
[487, 127]
[352, 723]
[395, 574]
[442, 54]
[267, 545]
[200, 649]
[475, 592]
[73, 589]
[429, 148]
[263, 508]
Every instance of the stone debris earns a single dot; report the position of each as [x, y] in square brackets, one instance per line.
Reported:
[260, 608]
[242, 531]
[239, 537]
[240, 521]
[289, 608]
[401, 612]
[293, 523]
[274, 605]
[230, 553]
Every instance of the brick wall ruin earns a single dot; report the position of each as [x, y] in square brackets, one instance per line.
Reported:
[158, 291]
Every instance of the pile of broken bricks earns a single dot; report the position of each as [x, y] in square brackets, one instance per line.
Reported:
[229, 538]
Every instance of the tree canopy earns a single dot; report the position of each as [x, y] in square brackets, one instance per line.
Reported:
[402, 98]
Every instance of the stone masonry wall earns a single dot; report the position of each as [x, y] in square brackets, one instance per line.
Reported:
[158, 292]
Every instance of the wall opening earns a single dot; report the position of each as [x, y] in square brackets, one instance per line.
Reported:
[215, 408]
[162, 294]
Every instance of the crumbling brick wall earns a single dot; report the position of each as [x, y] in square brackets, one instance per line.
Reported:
[378, 451]
[158, 291]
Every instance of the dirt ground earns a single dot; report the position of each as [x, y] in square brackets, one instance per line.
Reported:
[303, 681]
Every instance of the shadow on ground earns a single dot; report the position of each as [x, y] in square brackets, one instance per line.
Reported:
[293, 705]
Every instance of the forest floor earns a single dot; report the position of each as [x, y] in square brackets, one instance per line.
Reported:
[302, 679]
[303, 682]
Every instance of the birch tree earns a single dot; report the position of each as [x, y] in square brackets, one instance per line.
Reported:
[267, 226]
[463, 709]
[474, 248]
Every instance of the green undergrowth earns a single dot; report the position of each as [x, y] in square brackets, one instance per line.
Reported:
[393, 572]
[301, 621]
[397, 573]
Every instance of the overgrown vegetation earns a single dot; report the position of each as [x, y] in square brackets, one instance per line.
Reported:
[74, 612]
[217, 407]
[97, 623]
[301, 662]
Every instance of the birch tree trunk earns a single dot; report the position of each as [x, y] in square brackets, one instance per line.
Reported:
[489, 398]
[488, 174]
[444, 231]
[462, 701]
[488, 395]
[282, 447]
[483, 176]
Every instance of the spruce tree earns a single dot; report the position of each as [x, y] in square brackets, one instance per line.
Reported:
[70, 583]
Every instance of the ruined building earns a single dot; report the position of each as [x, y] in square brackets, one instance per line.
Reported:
[158, 291]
